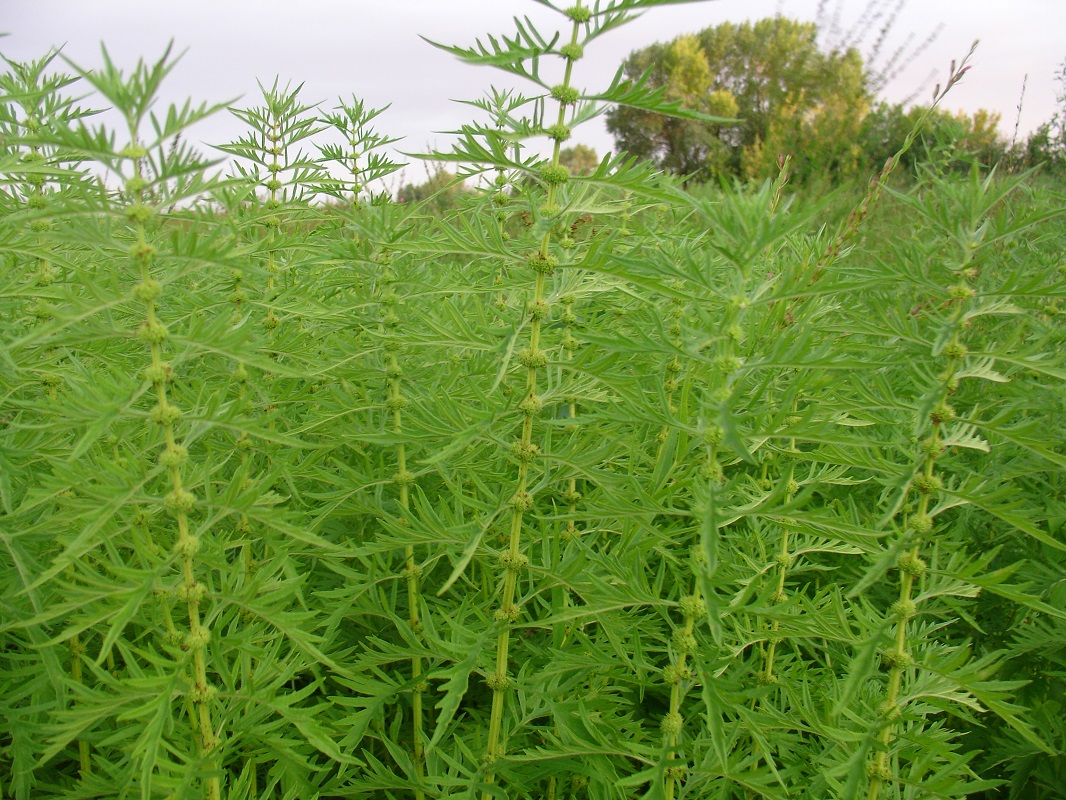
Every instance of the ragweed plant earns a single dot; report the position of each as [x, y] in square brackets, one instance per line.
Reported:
[590, 486]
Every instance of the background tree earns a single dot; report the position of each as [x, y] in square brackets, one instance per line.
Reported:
[579, 159]
[442, 186]
[786, 92]
[1046, 146]
[955, 140]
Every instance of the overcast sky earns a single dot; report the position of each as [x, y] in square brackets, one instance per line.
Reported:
[372, 49]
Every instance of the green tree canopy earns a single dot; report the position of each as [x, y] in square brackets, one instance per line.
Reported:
[788, 95]
[442, 188]
[579, 159]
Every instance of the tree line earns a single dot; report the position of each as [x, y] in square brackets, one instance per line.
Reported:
[787, 94]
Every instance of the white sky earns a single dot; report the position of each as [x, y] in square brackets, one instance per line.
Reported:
[372, 49]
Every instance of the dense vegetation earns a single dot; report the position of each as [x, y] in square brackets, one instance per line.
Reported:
[588, 487]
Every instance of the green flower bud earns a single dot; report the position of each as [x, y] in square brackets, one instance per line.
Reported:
[187, 546]
[522, 501]
[571, 498]
[559, 133]
[672, 724]
[542, 264]
[135, 185]
[572, 51]
[132, 151]
[139, 214]
[173, 456]
[903, 609]
[896, 659]
[941, 414]
[684, 642]
[578, 13]
[398, 403]
[712, 435]
[531, 406]
[141, 251]
[164, 414]
[513, 563]
[956, 350]
[198, 640]
[152, 332]
[555, 175]
[508, 613]
[566, 95]
[201, 693]
[533, 359]
[498, 681]
[148, 290]
[179, 501]
[692, 607]
[525, 452]
[875, 770]
[921, 524]
[539, 310]
[927, 484]
[960, 291]
[910, 564]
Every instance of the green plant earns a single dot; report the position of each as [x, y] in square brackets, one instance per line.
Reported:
[577, 486]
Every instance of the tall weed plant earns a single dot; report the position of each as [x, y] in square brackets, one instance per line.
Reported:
[588, 488]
